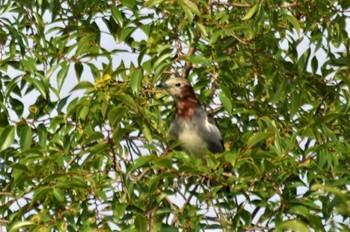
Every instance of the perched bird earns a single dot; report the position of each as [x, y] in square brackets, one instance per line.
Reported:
[191, 125]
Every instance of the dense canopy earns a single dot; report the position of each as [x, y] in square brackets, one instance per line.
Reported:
[83, 128]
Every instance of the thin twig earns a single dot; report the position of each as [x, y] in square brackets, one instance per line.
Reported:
[5, 194]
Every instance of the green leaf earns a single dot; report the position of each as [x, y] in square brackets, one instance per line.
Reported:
[294, 22]
[41, 193]
[84, 85]
[82, 112]
[62, 103]
[141, 223]
[7, 137]
[56, 122]
[147, 132]
[327, 118]
[77, 182]
[59, 195]
[83, 45]
[214, 36]
[188, 12]
[3, 117]
[38, 85]
[152, 3]
[294, 225]
[136, 77]
[251, 12]
[52, 70]
[29, 64]
[116, 114]
[299, 210]
[202, 30]
[163, 163]
[78, 68]
[42, 132]
[62, 74]
[142, 161]
[296, 103]
[120, 209]
[231, 157]
[19, 225]
[199, 59]
[340, 195]
[131, 4]
[26, 136]
[119, 133]
[258, 137]
[95, 136]
[126, 33]
[12, 88]
[226, 102]
[117, 16]
[314, 64]
[280, 92]
[161, 59]
[308, 133]
[17, 105]
[128, 100]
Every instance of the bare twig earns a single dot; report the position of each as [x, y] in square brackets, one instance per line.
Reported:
[5, 194]
[3, 221]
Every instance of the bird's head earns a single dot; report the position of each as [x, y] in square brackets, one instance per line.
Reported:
[179, 88]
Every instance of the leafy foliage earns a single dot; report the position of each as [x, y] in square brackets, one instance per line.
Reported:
[275, 74]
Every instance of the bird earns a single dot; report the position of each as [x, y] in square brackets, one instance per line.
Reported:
[191, 125]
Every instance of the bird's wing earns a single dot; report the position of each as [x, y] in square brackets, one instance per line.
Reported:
[210, 133]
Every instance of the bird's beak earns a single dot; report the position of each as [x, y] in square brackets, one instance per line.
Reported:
[163, 86]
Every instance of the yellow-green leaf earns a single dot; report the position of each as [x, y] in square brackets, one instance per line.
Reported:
[88, 86]
[7, 137]
[258, 137]
[136, 77]
[251, 12]
[294, 225]
[294, 22]
[147, 133]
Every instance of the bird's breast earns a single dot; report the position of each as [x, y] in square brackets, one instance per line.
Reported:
[190, 138]
[196, 133]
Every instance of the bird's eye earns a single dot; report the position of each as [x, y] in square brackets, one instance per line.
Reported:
[178, 84]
